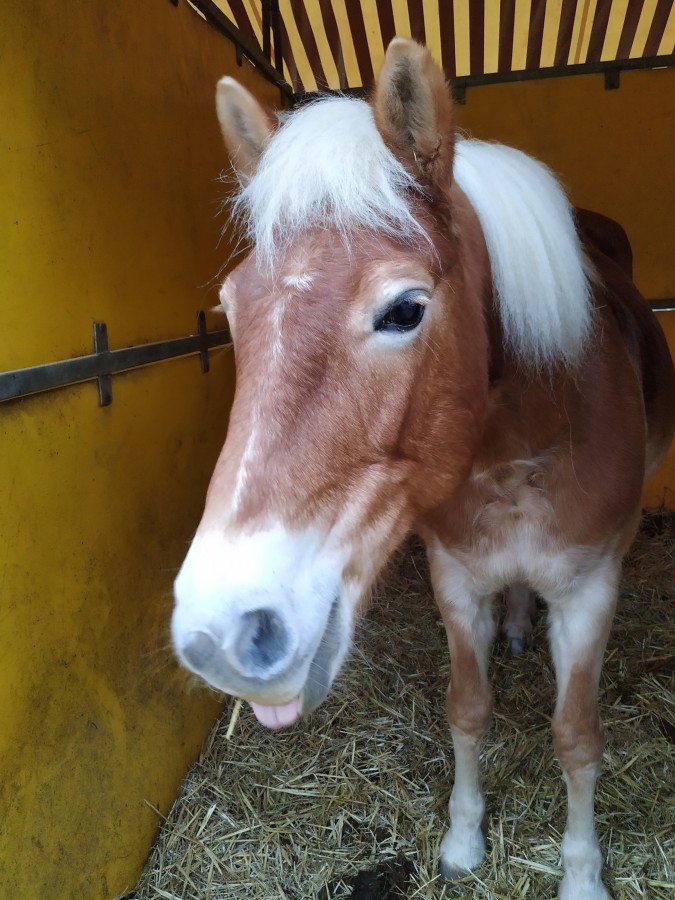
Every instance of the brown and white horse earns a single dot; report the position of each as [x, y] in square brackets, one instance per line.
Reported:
[426, 339]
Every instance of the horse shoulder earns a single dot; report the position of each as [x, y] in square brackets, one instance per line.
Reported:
[560, 462]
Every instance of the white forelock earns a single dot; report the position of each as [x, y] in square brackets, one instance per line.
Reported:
[327, 166]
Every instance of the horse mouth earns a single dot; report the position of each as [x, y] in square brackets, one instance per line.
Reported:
[318, 682]
[319, 678]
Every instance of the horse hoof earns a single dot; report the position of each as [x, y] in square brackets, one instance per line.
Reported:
[451, 873]
[461, 851]
[595, 890]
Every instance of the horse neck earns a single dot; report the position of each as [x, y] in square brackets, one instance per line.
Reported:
[477, 274]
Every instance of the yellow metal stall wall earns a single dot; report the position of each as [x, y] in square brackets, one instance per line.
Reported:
[109, 159]
[613, 150]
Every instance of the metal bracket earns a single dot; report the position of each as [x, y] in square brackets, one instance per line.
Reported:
[612, 79]
[204, 347]
[459, 93]
[103, 363]
[100, 347]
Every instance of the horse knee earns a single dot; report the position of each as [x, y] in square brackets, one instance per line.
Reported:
[469, 708]
[578, 738]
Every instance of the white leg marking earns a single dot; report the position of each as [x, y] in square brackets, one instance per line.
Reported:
[470, 628]
[581, 855]
[463, 846]
[579, 627]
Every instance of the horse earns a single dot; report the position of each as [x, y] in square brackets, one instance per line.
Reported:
[428, 338]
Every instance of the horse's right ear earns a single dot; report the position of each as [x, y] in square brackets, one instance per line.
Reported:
[246, 125]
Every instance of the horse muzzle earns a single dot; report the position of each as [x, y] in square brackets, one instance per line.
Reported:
[278, 645]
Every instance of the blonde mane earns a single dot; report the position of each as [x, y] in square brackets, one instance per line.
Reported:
[328, 166]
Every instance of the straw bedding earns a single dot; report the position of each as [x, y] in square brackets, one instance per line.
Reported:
[352, 803]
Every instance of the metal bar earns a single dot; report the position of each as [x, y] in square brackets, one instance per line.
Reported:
[612, 79]
[593, 68]
[462, 82]
[104, 363]
[219, 20]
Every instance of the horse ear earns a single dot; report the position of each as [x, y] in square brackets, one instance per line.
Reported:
[246, 125]
[414, 113]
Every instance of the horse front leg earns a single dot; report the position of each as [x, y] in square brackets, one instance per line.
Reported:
[579, 627]
[470, 630]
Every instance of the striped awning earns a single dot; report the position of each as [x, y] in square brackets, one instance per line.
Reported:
[331, 44]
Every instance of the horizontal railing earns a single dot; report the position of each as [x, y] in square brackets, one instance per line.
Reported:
[103, 363]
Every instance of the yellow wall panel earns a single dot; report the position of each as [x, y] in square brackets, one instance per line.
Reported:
[109, 161]
[110, 151]
[98, 505]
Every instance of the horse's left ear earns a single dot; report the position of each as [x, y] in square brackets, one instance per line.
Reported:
[414, 113]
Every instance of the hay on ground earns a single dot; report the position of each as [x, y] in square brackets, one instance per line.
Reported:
[362, 786]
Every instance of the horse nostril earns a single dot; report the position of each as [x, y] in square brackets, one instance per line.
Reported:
[256, 647]
[201, 651]
[263, 641]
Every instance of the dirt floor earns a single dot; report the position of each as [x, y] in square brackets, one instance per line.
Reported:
[353, 802]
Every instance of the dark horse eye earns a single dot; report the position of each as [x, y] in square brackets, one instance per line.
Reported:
[405, 315]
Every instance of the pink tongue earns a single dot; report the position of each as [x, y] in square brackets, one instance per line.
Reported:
[277, 716]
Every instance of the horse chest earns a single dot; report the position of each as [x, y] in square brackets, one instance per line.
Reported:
[507, 532]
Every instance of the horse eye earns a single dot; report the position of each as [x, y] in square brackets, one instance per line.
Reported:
[405, 315]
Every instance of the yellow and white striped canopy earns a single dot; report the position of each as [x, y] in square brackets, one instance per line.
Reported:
[331, 44]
